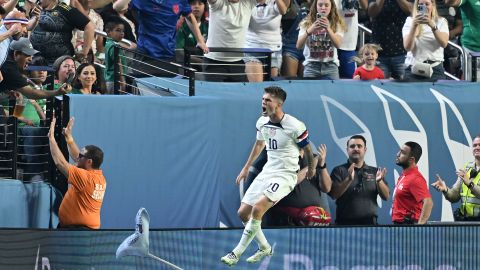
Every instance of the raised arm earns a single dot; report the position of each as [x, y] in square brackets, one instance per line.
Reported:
[375, 8]
[57, 156]
[451, 194]
[382, 187]
[283, 6]
[257, 148]
[193, 25]
[325, 181]
[405, 6]
[100, 3]
[339, 187]
[120, 5]
[73, 149]
[9, 6]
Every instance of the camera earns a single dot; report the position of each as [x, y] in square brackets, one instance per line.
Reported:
[422, 9]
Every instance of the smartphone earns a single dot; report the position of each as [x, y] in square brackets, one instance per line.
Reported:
[422, 9]
[319, 16]
[70, 78]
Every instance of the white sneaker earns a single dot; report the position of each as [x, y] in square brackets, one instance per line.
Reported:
[230, 259]
[260, 254]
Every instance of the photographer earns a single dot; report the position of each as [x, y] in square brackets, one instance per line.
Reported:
[465, 188]
[425, 34]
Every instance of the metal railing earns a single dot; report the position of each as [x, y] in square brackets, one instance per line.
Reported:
[144, 66]
[363, 30]
[256, 52]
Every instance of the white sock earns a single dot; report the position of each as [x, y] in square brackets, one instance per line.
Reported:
[260, 239]
[251, 229]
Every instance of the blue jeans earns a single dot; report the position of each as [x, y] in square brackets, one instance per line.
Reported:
[321, 71]
[392, 66]
[347, 65]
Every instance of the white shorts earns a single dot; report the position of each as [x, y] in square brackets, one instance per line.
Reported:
[273, 186]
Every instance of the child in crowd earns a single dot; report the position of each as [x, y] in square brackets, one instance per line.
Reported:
[115, 31]
[367, 58]
[322, 32]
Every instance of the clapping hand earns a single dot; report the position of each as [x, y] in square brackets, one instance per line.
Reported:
[381, 172]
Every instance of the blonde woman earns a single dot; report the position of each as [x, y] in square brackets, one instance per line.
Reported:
[425, 34]
[322, 32]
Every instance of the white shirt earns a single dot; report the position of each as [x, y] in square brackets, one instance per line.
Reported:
[264, 30]
[319, 46]
[350, 16]
[4, 46]
[283, 142]
[227, 27]
[426, 47]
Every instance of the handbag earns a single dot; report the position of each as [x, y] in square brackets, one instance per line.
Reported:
[424, 69]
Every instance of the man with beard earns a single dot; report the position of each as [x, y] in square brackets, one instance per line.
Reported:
[355, 186]
[412, 202]
[80, 208]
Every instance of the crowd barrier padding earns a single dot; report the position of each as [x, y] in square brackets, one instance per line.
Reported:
[334, 248]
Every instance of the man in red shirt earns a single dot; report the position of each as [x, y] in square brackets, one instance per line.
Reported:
[412, 202]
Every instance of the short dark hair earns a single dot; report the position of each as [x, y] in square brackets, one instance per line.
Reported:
[95, 154]
[357, 137]
[276, 92]
[112, 22]
[415, 150]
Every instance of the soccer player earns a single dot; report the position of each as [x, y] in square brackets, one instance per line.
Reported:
[283, 136]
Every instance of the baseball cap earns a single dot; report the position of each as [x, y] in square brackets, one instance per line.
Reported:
[23, 45]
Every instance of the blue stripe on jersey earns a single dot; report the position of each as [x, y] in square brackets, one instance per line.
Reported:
[303, 142]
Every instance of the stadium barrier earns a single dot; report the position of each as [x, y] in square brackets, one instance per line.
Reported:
[447, 247]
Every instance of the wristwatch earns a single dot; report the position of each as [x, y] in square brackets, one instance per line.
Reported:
[471, 185]
[323, 167]
[434, 28]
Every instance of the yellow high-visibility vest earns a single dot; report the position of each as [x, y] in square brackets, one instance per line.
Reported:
[470, 204]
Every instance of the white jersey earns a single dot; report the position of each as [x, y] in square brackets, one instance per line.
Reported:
[283, 141]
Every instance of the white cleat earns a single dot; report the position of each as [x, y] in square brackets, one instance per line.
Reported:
[260, 254]
[230, 259]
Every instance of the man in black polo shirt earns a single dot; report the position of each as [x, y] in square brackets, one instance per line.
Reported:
[355, 186]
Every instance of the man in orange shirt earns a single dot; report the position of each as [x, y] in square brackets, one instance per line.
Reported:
[80, 208]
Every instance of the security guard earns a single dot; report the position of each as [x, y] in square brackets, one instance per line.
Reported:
[466, 188]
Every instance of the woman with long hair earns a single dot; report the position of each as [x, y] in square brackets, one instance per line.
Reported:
[86, 81]
[322, 32]
[425, 34]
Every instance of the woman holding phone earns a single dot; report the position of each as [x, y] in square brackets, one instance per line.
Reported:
[425, 34]
[322, 32]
